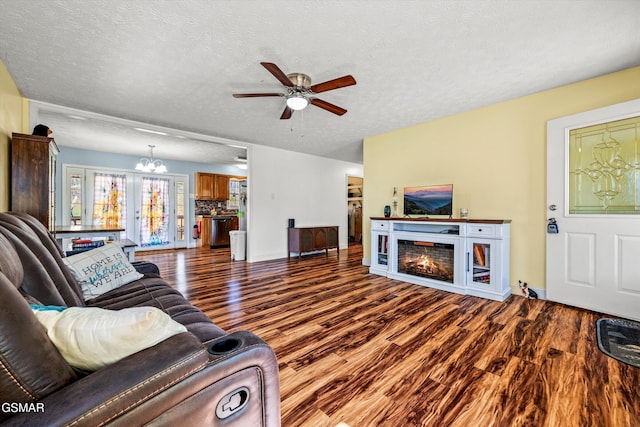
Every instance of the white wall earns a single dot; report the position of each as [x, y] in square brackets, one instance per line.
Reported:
[285, 184]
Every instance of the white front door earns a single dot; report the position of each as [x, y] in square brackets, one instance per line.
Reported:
[593, 193]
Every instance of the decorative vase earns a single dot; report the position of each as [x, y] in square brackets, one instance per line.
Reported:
[387, 211]
[395, 202]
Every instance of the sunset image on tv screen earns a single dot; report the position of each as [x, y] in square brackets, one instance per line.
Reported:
[429, 200]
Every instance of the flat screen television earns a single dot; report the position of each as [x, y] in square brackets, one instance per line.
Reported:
[429, 200]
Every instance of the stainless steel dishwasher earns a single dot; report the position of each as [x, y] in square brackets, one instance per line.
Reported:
[220, 228]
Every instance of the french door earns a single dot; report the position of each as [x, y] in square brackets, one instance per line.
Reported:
[150, 207]
[153, 203]
[593, 194]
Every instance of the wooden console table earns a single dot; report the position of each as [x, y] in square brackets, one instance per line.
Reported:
[312, 239]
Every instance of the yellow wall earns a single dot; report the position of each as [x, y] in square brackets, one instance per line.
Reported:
[496, 159]
[14, 117]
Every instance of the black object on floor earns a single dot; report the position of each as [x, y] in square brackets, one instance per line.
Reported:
[620, 339]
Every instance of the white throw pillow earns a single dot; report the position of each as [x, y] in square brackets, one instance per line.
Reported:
[90, 338]
[102, 269]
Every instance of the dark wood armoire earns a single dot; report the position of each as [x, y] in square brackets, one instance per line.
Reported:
[33, 173]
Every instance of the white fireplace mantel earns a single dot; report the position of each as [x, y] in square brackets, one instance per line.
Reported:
[479, 248]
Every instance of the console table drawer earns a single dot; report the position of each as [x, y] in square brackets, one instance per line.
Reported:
[481, 230]
[380, 225]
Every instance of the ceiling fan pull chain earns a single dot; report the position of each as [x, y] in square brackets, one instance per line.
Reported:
[301, 115]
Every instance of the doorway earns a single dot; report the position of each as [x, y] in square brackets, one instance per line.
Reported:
[150, 207]
[354, 209]
[593, 193]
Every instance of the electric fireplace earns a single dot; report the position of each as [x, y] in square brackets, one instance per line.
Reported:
[430, 260]
[469, 257]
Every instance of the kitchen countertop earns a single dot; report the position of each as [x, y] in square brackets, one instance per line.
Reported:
[233, 215]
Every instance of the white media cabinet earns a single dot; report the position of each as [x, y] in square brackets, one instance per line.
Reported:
[468, 257]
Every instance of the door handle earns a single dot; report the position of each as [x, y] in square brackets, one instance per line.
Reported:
[552, 207]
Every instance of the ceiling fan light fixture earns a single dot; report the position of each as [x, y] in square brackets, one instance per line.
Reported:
[300, 92]
[297, 102]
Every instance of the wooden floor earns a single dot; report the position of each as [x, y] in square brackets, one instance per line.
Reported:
[364, 350]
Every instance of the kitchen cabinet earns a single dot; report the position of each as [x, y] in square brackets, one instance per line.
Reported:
[205, 233]
[221, 187]
[204, 186]
[33, 172]
[213, 186]
[312, 239]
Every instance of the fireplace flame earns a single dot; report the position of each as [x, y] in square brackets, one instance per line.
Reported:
[423, 263]
[424, 266]
[426, 262]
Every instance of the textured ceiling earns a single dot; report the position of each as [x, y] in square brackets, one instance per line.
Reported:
[176, 63]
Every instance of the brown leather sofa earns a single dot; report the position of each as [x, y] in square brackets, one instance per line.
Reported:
[201, 377]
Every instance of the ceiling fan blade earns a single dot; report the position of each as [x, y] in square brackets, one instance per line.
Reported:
[277, 73]
[255, 95]
[286, 114]
[333, 84]
[327, 106]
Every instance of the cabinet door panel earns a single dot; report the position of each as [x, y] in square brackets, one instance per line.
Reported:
[320, 238]
[332, 236]
[306, 240]
[204, 186]
[206, 232]
[483, 260]
[221, 185]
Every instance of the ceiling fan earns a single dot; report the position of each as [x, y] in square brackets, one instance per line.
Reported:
[300, 92]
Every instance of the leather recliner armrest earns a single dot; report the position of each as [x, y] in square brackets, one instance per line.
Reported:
[145, 267]
[239, 387]
[179, 381]
[109, 392]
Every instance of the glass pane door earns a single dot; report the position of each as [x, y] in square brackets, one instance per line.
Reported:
[382, 252]
[481, 262]
[181, 238]
[155, 218]
[110, 200]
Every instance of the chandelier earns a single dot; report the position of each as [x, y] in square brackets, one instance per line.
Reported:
[150, 165]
